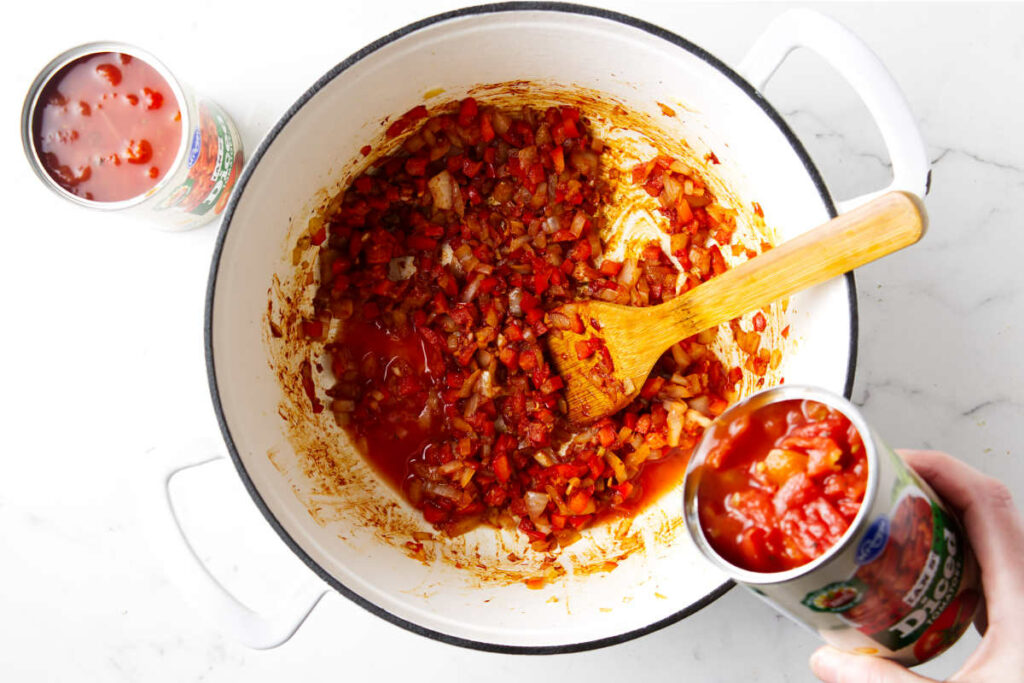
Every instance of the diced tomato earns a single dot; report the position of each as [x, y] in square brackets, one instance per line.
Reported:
[509, 357]
[416, 166]
[467, 112]
[433, 513]
[579, 521]
[625, 489]
[652, 386]
[558, 159]
[486, 130]
[379, 252]
[607, 435]
[585, 348]
[717, 261]
[502, 468]
[471, 168]
[684, 214]
[578, 502]
[312, 329]
[527, 527]
[759, 491]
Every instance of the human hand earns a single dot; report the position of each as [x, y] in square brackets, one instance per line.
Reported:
[996, 532]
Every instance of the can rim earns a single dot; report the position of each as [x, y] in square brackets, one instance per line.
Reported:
[44, 77]
[753, 402]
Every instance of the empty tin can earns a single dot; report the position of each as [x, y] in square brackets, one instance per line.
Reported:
[99, 136]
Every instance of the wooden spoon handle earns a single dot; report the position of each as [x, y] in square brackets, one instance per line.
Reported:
[869, 232]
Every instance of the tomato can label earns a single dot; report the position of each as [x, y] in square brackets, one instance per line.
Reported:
[214, 162]
[902, 583]
[195, 188]
[909, 568]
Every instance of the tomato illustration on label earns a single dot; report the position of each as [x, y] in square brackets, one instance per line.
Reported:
[835, 597]
[949, 626]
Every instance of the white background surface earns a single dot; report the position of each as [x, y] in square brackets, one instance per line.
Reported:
[103, 361]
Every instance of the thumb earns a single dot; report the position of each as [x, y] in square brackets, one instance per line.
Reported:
[834, 666]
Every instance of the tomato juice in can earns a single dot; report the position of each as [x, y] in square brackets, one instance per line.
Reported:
[107, 126]
[890, 574]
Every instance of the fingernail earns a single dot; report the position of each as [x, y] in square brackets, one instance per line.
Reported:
[823, 664]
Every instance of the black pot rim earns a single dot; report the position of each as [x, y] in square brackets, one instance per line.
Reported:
[585, 10]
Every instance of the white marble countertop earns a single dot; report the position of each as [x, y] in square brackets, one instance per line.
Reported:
[103, 356]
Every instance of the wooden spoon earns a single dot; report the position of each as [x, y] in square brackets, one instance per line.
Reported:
[636, 337]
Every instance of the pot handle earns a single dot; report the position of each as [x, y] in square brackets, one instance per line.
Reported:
[187, 570]
[862, 69]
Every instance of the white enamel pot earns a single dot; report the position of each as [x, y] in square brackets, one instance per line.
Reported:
[311, 147]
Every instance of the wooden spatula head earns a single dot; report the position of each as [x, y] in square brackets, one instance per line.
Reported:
[605, 367]
[605, 375]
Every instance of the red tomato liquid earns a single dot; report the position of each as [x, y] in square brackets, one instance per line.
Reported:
[107, 127]
[399, 367]
[407, 439]
[782, 485]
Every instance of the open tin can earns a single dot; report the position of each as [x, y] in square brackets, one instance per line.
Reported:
[194, 187]
[901, 582]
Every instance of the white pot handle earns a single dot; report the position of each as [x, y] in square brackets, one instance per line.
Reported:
[187, 571]
[856, 63]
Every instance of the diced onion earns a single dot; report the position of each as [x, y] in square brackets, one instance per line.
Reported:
[629, 273]
[471, 406]
[676, 419]
[440, 187]
[443, 489]
[559, 321]
[447, 255]
[701, 404]
[679, 167]
[470, 291]
[670, 191]
[515, 301]
[536, 502]
[401, 268]
[698, 418]
[500, 121]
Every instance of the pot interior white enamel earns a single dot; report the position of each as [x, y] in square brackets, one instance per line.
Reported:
[634, 63]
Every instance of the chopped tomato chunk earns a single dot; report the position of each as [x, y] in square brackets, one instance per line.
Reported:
[782, 485]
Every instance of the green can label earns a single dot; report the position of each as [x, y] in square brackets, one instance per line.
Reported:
[913, 564]
[214, 163]
[836, 597]
[935, 586]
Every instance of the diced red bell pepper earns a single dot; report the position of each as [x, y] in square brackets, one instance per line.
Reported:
[578, 502]
[558, 159]
[416, 166]
[486, 129]
[467, 112]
